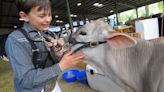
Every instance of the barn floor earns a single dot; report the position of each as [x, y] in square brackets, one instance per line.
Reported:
[6, 81]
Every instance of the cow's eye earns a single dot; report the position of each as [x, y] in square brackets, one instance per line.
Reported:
[83, 33]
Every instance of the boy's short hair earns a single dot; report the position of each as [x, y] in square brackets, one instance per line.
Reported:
[27, 5]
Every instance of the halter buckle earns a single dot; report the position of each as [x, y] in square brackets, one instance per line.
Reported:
[35, 50]
[93, 44]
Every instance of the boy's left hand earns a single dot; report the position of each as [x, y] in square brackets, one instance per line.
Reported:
[58, 44]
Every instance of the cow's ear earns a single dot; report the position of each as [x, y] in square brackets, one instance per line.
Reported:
[120, 40]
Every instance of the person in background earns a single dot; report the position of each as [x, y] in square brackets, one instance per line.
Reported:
[27, 78]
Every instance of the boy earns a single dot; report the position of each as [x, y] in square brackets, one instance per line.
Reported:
[28, 78]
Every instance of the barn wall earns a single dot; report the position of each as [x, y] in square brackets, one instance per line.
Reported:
[4, 31]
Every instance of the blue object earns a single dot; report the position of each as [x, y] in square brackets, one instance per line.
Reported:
[70, 75]
[81, 76]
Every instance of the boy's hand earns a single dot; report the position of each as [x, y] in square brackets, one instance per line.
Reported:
[55, 42]
[70, 60]
[58, 44]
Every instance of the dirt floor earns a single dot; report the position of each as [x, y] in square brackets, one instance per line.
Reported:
[6, 77]
[6, 81]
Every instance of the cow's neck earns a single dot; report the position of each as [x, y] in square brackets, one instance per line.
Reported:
[128, 66]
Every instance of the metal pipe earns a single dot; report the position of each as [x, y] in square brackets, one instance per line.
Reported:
[116, 10]
[69, 14]
[147, 10]
[162, 22]
[70, 22]
[137, 12]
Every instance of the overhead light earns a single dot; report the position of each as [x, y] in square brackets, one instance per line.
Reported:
[111, 11]
[56, 16]
[95, 4]
[14, 26]
[73, 15]
[78, 4]
[21, 19]
[98, 5]
[59, 21]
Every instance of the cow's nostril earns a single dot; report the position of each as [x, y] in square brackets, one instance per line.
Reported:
[83, 33]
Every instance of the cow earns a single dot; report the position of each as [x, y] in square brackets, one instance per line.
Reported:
[133, 65]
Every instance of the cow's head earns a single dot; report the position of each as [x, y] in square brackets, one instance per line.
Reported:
[97, 32]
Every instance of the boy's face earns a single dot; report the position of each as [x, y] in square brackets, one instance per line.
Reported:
[39, 19]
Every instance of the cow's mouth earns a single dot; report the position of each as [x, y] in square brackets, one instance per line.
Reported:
[83, 45]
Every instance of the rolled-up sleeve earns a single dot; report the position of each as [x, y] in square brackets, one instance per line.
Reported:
[20, 57]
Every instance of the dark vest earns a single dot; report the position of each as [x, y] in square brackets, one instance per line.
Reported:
[42, 57]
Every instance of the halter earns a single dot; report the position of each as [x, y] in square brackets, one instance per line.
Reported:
[85, 44]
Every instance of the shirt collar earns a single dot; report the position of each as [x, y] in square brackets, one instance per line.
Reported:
[33, 33]
[27, 27]
[30, 30]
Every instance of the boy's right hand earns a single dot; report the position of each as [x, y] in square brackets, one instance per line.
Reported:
[70, 60]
